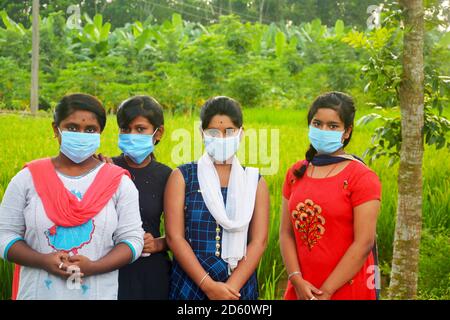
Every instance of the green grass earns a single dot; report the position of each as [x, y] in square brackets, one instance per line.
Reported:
[6, 270]
[24, 138]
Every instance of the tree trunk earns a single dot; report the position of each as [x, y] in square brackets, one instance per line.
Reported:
[34, 101]
[261, 11]
[404, 273]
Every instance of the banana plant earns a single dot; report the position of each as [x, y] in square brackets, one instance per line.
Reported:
[11, 25]
[163, 42]
[94, 36]
[170, 38]
[15, 40]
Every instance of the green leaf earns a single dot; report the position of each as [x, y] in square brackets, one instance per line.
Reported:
[316, 27]
[445, 40]
[10, 24]
[280, 40]
[87, 18]
[368, 118]
[141, 41]
[137, 29]
[98, 21]
[105, 32]
[177, 21]
[339, 28]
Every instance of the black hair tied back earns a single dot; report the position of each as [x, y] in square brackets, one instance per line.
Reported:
[340, 102]
[221, 105]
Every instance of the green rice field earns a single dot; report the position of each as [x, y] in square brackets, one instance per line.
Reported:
[24, 138]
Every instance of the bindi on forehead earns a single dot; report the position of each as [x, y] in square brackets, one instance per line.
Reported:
[84, 116]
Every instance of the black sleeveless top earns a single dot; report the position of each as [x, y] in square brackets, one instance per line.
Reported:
[147, 277]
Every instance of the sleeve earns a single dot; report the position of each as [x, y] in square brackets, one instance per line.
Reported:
[12, 220]
[287, 185]
[167, 173]
[129, 229]
[367, 187]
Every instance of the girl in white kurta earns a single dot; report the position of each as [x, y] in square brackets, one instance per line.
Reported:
[39, 232]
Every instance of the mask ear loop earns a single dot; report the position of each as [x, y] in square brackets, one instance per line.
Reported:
[153, 135]
[60, 133]
[154, 132]
[240, 132]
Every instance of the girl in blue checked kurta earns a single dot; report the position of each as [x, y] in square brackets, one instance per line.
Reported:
[200, 230]
[216, 258]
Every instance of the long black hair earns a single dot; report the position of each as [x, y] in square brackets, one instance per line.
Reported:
[341, 103]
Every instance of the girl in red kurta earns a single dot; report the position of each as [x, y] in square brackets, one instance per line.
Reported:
[331, 201]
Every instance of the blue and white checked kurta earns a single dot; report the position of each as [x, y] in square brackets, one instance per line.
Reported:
[200, 232]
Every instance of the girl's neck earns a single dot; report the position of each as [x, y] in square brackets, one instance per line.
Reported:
[135, 165]
[66, 166]
[339, 152]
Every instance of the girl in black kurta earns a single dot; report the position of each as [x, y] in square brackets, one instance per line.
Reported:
[141, 126]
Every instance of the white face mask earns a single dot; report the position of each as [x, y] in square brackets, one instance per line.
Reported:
[222, 149]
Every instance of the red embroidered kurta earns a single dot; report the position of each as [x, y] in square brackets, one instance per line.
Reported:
[321, 212]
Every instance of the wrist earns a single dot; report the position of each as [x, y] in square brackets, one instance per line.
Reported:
[206, 284]
[327, 290]
[41, 261]
[95, 268]
[296, 280]
[294, 274]
[233, 285]
[160, 244]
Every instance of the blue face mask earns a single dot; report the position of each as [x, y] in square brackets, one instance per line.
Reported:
[78, 146]
[222, 149]
[137, 146]
[325, 141]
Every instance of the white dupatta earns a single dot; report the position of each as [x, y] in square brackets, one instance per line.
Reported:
[236, 216]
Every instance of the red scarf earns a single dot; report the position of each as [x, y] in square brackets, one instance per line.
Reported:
[64, 208]
[61, 206]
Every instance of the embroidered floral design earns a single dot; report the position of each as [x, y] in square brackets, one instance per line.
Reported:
[309, 222]
[70, 239]
[48, 283]
[85, 288]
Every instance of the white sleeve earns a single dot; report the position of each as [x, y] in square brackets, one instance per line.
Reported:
[12, 221]
[129, 229]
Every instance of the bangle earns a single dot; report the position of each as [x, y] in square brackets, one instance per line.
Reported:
[293, 274]
[203, 279]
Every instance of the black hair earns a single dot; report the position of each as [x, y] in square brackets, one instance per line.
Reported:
[340, 102]
[80, 101]
[144, 106]
[221, 105]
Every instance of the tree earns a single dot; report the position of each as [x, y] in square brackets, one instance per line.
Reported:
[404, 272]
[34, 101]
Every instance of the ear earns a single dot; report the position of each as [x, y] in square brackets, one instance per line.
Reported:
[347, 133]
[55, 130]
[159, 134]
[242, 134]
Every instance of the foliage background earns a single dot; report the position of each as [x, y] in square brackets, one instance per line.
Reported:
[274, 64]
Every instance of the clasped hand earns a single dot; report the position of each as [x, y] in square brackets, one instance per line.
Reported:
[61, 264]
